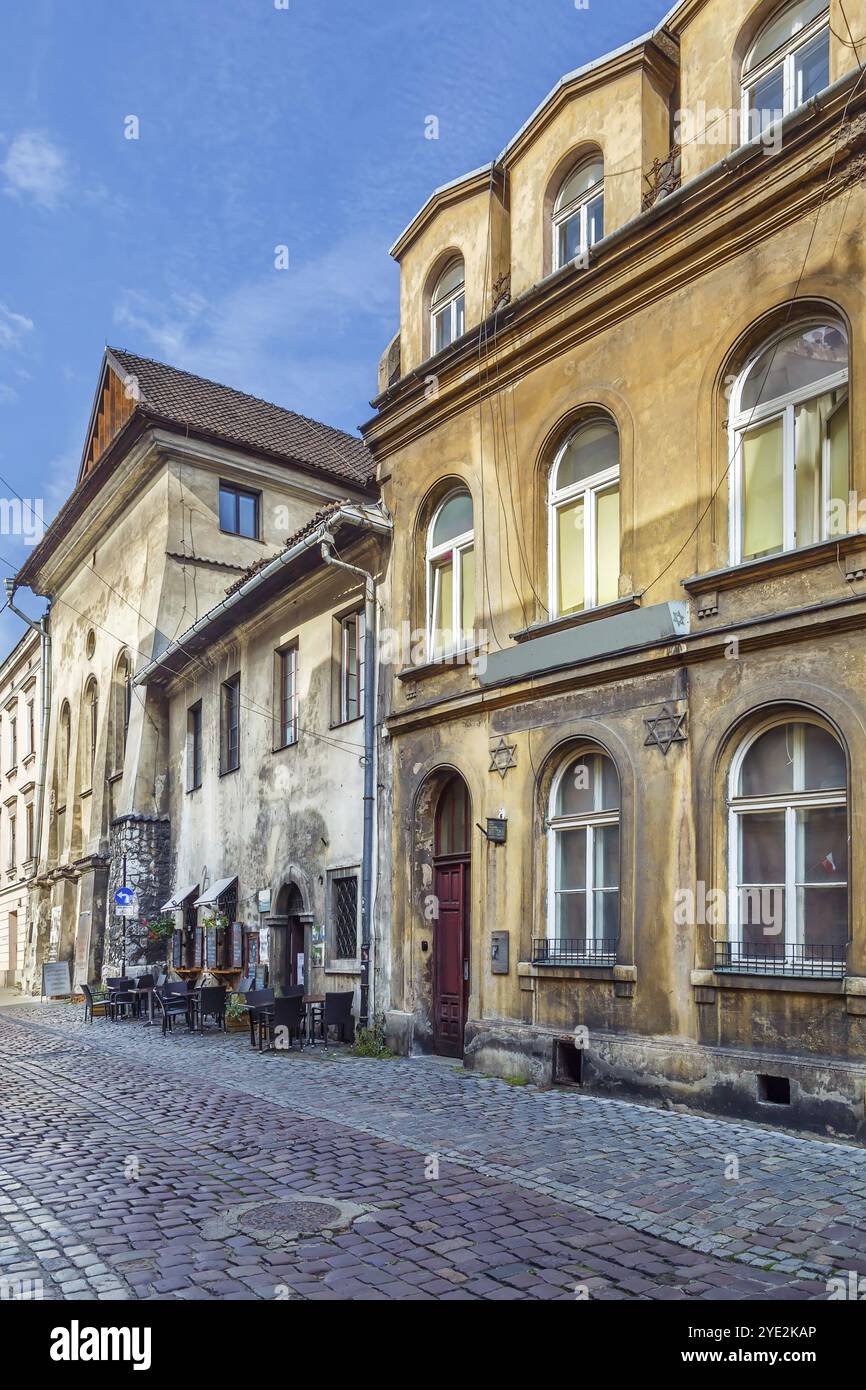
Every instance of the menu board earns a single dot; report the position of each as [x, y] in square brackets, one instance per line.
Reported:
[237, 946]
[212, 939]
[55, 978]
[197, 949]
[177, 949]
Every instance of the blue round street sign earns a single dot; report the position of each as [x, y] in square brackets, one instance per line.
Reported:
[124, 896]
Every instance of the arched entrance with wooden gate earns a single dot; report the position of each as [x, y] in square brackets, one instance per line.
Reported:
[451, 884]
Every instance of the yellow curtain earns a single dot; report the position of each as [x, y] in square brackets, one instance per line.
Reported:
[569, 557]
[467, 593]
[607, 546]
[837, 432]
[762, 489]
[443, 597]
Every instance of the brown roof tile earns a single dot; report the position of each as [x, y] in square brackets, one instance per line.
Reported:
[205, 405]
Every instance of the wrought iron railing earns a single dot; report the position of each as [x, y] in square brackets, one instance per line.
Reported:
[563, 950]
[779, 958]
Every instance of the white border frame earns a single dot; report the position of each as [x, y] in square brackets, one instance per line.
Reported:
[557, 498]
[590, 820]
[457, 547]
[784, 57]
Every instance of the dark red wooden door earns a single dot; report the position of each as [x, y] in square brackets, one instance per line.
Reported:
[451, 958]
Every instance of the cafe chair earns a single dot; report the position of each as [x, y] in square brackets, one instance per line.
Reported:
[287, 1013]
[92, 1006]
[139, 1000]
[256, 1000]
[172, 1006]
[121, 1002]
[337, 1014]
[209, 1003]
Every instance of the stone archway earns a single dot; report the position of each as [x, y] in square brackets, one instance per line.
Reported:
[289, 925]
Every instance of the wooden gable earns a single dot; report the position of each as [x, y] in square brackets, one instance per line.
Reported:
[115, 401]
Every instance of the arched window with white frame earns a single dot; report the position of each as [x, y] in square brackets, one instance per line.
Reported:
[786, 65]
[578, 212]
[451, 576]
[789, 442]
[448, 307]
[583, 863]
[788, 851]
[583, 519]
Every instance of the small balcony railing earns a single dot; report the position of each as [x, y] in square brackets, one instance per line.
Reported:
[817, 961]
[573, 951]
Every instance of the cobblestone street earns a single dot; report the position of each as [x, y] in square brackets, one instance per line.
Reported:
[137, 1166]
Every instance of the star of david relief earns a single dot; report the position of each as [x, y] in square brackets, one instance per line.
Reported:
[502, 756]
[666, 728]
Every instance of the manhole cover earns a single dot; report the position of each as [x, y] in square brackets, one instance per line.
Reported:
[302, 1218]
[278, 1223]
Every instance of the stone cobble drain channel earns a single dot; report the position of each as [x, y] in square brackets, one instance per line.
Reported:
[133, 1166]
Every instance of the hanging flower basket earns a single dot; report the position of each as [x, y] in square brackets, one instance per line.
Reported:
[160, 928]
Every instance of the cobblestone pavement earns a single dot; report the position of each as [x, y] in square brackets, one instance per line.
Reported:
[133, 1166]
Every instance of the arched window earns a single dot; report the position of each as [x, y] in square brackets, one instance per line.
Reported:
[583, 510]
[453, 819]
[789, 442]
[787, 64]
[122, 703]
[447, 307]
[64, 735]
[578, 213]
[91, 723]
[451, 576]
[583, 862]
[788, 852]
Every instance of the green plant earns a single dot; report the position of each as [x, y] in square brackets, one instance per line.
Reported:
[370, 1041]
[160, 928]
[218, 921]
[235, 1008]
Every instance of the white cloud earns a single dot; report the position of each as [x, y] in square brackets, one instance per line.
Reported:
[35, 168]
[13, 327]
[289, 336]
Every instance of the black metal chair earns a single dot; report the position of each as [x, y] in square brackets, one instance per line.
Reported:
[161, 980]
[93, 1006]
[337, 1013]
[246, 984]
[287, 1013]
[256, 1000]
[209, 1003]
[120, 1001]
[172, 1006]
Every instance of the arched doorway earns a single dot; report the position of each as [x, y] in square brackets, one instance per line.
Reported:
[451, 868]
[288, 962]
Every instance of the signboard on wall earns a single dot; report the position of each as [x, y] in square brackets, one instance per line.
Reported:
[212, 940]
[237, 946]
[264, 945]
[55, 979]
[198, 947]
[177, 949]
[54, 934]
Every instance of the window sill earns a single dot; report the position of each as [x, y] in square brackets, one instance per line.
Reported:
[190, 790]
[282, 747]
[586, 615]
[229, 771]
[449, 662]
[788, 562]
[344, 723]
[88, 791]
[343, 967]
[790, 984]
[239, 536]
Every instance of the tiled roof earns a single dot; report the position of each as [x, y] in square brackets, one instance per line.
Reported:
[305, 530]
[232, 415]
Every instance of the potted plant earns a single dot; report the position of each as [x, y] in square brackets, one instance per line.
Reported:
[160, 928]
[236, 1014]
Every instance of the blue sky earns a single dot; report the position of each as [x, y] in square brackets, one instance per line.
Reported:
[257, 127]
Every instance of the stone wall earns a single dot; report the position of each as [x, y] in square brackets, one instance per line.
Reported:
[145, 841]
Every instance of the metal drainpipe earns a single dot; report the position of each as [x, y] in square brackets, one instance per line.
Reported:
[44, 700]
[369, 772]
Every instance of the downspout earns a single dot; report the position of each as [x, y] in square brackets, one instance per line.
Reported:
[42, 628]
[329, 558]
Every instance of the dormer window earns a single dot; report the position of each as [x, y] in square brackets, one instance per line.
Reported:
[447, 307]
[788, 63]
[578, 213]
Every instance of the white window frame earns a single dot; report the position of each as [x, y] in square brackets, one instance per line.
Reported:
[448, 305]
[790, 802]
[577, 207]
[460, 640]
[589, 821]
[557, 499]
[741, 421]
[356, 617]
[786, 58]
